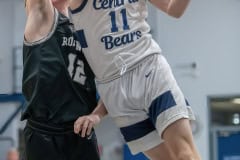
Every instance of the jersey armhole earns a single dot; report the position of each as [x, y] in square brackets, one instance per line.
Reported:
[49, 35]
[80, 8]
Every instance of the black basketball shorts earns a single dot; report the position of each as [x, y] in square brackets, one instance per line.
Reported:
[43, 142]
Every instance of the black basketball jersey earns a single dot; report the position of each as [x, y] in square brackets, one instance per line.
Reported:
[58, 83]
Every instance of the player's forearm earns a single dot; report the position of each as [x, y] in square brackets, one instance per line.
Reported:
[84, 124]
[176, 8]
[100, 110]
[173, 8]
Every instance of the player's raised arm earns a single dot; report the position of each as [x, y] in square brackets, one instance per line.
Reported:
[174, 8]
[40, 17]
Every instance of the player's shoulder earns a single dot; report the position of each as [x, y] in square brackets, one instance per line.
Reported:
[36, 33]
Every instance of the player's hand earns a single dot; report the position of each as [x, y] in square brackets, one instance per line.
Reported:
[84, 125]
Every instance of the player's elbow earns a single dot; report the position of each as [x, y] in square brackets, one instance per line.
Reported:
[175, 14]
[177, 7]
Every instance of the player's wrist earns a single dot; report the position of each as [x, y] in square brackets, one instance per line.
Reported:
[96, 118]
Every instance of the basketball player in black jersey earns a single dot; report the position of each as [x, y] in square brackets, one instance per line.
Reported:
[58, 86]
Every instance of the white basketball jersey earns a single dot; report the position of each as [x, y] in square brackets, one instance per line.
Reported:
[114, 35]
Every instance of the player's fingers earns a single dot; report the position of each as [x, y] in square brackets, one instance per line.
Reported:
[78, 125]
[90, 126]
[84, 128]
[76, 128]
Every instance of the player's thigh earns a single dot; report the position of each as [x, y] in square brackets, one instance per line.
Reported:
[160, 152]
[178, 136]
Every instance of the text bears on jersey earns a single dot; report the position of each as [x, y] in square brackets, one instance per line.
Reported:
[111, 42]
[105, 4]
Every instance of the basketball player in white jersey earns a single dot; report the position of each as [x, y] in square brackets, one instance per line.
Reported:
[133, 78]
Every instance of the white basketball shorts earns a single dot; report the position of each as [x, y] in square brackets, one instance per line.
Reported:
[144, 102]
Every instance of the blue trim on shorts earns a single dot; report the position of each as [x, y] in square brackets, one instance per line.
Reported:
[161, 104]
[138, 130]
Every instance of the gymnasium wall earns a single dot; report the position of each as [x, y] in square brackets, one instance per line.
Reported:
[208, 34]
[6, 43]
[7, 25]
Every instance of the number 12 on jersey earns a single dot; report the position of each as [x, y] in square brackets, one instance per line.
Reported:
[76, 69]
[123, 12]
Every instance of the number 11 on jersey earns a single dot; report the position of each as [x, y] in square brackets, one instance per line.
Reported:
[124, 20]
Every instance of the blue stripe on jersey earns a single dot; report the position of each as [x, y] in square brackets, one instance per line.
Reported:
[161, 104]
[137, 130]
[80, 8]
[82, 39]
